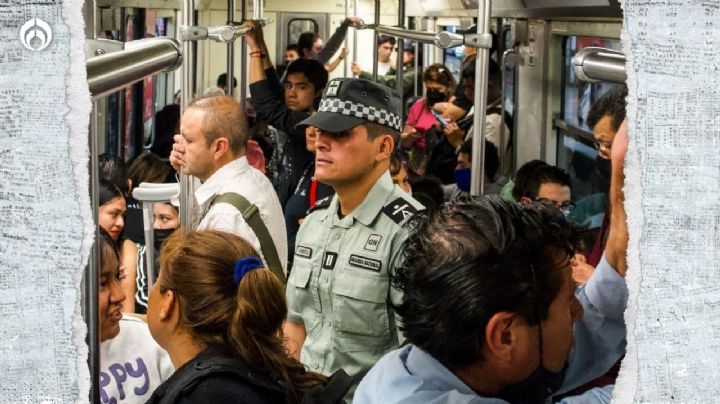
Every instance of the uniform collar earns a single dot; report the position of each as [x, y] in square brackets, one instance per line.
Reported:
[214, 184]
[370, 207]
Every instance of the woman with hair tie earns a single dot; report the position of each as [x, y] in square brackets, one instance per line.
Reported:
[219, 314]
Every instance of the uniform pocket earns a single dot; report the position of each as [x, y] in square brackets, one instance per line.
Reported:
[301, 273]
[361, 320]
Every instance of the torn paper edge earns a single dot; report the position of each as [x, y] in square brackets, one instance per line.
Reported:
[77, 119]
[626, 384]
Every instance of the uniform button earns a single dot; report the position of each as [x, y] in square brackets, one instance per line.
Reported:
[316, 366]
[337, 236]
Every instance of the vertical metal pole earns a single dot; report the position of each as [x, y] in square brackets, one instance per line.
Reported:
[482, 61]
[355, 34]
[188, 88]
[230, 52]
[401, 48]
[375, 35]
[243, 52]
[258, 8]
[415, 83]
[92, 272]
[345, 61]
[91, 280]
[147, 208]
[501, 149]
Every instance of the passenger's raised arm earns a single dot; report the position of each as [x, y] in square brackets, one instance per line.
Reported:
[616, 249]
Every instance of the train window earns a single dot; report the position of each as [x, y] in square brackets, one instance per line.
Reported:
[575, 149]
[297, 26]
[453, 57]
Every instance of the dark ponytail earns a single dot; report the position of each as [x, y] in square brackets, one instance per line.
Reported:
[248, 318]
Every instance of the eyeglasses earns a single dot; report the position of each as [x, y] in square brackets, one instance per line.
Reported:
[566, 208]
[602, 146]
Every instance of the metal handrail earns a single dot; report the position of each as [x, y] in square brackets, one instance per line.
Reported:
[112, 71]
[148, 194]
[595, 64]
[230, 52]
[375, 35]
[400, 62]
[442, 39]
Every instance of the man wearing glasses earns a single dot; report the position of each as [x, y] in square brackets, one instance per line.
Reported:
[549, 184]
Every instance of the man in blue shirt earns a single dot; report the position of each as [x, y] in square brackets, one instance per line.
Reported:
[491, 312]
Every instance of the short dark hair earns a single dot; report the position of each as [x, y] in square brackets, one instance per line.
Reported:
[493, 71]
[306, 41]
[427, 190]
[375, 129]
[293, 47]
[312, 69]
[545, 174]
[473, 258]
[523, 176]
[222, 81]
[612, 104]
[492, 159]
[112, 169]
[383, 39]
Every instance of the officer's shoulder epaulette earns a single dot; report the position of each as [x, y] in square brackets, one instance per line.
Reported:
[323, 203]
[399, 210]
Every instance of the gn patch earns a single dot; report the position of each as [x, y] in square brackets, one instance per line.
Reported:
[302, 251]
[373, 242]
[365, 263]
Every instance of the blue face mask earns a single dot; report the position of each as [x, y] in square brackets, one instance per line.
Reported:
[462, 179]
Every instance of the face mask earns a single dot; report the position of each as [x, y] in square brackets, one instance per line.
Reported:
[462, 179]
[159, 236]
[602, 166]
[434, 96]
[540, 385]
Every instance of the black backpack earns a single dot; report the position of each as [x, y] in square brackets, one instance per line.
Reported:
[339, 383]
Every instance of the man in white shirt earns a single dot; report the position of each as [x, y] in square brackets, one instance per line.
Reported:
[211, 146]
[386, 45]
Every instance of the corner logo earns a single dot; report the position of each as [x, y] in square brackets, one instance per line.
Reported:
[35, 34]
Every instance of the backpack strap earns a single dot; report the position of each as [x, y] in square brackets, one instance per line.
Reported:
[339, 383]
[251, 214]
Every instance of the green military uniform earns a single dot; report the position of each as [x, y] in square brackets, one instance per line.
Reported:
[339, 287]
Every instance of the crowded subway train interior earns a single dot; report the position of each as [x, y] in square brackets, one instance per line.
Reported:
[148, 60]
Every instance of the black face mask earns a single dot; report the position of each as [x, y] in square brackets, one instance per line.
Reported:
[434, 96]
[159, 237]
[540, 385]
[603, 167]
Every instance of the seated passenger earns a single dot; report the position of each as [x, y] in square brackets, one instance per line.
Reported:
[149, 168]
[491, 184]
[132, 365]
[304, 83]
[399, 173]
[552, 184]
[422, 129]
[111, 217]
[490, 310]
[219, 314]
[514, 189]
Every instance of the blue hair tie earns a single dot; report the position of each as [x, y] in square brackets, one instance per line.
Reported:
[243, 266]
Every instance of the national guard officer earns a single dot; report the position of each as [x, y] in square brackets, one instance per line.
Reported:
[339, 290]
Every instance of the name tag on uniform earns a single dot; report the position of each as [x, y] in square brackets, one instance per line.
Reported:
[365, 263]
[302, 251]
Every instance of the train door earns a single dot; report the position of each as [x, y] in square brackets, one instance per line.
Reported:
[291, 25]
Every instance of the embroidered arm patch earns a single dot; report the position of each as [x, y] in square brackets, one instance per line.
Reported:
[399, 210]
